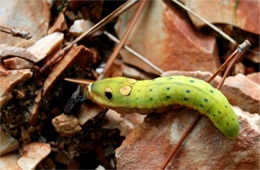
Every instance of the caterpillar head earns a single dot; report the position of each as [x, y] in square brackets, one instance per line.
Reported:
[110, 92]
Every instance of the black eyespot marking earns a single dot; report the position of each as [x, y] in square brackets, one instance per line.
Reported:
[211, 91]
[185, 98]
[192, 81]
[201, 105]
[168, 88]
[219, 112]
[168, 97]
[108, 95]
[151, 98]
[150, 89]
[206, 100]
[187, 91]
[225, 106]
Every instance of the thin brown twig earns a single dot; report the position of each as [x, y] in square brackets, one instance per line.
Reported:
[88, 33]
[124, 38]
[238, 52]
[227, 71]
[223, 66]
[226, 36]
[241, 50]
[183, 137]
[16, 33]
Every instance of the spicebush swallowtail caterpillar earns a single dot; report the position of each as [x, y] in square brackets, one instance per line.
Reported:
[126, 95]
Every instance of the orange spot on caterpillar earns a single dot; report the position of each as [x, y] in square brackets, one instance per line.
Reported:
[125, 90]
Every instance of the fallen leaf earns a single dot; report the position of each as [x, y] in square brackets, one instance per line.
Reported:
[125, 124]
[7, 51]
[32, 16]
[46, 45]
[132, 72]
[242, 92]
[150, 145]
[87, 112]
[243, 13]
[35, 108]
[33, 154]
[8, 143]
[9, 81]
[238, 68]
[169, 40]
[81, 26]
[254, 77]
[9, 162]
[74, 53]
[16, 63]
[59, 25]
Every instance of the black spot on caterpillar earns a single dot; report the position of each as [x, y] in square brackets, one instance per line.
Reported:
[147, 95]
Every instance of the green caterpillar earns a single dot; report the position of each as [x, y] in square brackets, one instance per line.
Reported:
[127, 95]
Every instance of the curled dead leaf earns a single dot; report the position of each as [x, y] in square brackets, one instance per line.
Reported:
[33, 154]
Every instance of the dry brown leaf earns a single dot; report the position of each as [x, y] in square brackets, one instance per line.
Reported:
[35, 108]
[9, 161]
[9, 81]
[150, 145]
[242, 92]
[169, 40]
[33, 154]
[129, 71]
[243, 13]
[125, 124]
[87, 112]
[81, 26]
[8, 143]
[30, 16]
[254, 77]
[46, 45]
[8, 51]
[16, 63]
[74, 53]
[59, 25]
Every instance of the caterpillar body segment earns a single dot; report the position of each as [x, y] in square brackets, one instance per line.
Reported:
[128, 95]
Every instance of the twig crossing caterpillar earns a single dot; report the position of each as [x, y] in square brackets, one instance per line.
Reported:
[127, 95]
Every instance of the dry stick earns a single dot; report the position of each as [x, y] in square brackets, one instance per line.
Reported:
[16, 33]
[187, 131]
[124, 38]
[92, 30]
[236, 54]
[223, 66]
[240, 49]
[226, 36]
[130, 50]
